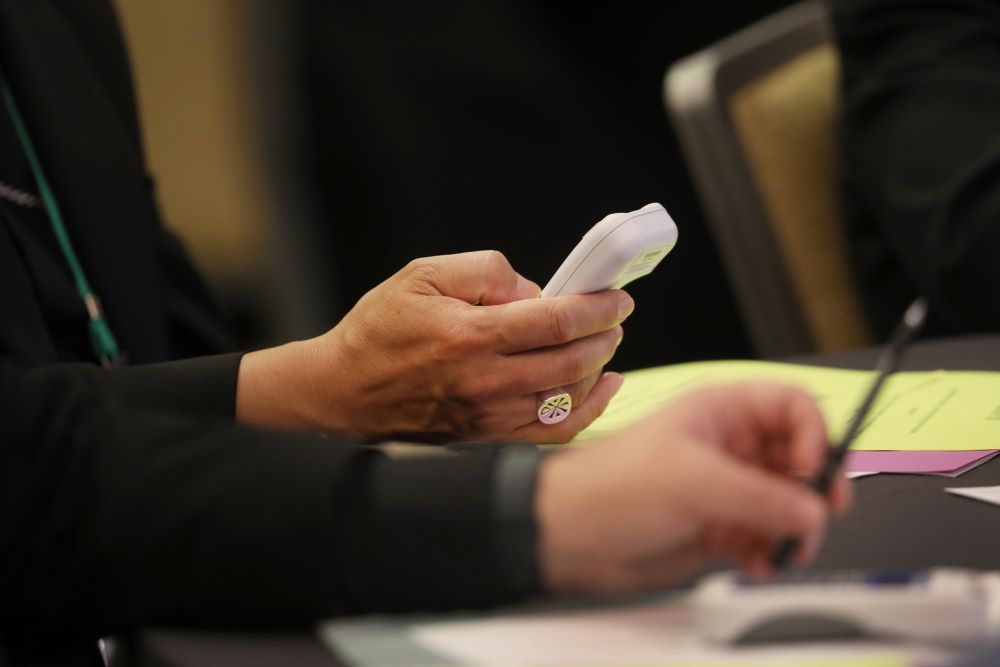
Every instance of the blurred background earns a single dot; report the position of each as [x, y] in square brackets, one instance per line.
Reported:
[308, 149]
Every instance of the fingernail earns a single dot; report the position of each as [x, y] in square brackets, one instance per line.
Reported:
[625, 307]
[621, 334]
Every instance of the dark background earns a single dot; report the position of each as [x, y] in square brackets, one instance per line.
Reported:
[441, 127]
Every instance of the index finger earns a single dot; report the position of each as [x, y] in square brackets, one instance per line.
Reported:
[769, 423]
[481, 277]
[531, 324]
[754, 498]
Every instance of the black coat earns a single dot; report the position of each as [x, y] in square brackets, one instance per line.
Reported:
[921, 156]
[129, 497]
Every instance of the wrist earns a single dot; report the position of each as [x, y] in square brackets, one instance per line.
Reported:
[290, 387]
[558, 559]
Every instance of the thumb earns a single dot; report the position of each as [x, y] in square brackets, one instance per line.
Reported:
[484, 277]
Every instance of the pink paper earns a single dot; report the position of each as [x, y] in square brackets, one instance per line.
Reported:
[928, 463]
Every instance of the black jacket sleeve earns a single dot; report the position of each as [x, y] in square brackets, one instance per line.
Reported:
[922, 154]
[113, 517]
[198, 387]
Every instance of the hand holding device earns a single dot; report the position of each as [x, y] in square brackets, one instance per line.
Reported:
[449, 348]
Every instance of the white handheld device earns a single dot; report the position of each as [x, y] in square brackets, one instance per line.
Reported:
[944, 606]
[616, 251]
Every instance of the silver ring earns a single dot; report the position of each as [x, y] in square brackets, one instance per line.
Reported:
[555, 409]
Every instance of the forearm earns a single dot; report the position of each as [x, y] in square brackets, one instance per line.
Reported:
[122, 518]
[197, 387]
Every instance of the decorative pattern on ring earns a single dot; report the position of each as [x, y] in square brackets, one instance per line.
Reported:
[555, 409]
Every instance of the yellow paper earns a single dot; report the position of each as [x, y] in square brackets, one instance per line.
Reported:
[931, 410]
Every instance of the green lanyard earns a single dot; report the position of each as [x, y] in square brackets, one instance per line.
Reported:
[101, 339]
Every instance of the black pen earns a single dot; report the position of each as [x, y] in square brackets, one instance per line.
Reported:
[888, 362]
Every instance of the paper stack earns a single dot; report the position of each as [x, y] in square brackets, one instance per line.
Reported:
[931, 423]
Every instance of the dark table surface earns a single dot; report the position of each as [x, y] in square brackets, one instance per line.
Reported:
[908, 521]
[898, 521]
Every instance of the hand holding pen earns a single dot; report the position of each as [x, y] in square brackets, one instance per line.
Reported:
[888, 363]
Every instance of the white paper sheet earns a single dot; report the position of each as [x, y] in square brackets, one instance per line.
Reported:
[987, 494]
[649, 635]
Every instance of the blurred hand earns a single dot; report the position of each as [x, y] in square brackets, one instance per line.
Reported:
[450, 348]
[715, 475]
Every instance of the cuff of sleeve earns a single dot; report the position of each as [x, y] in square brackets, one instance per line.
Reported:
[431, 538]
[201, 386]
[514, 511]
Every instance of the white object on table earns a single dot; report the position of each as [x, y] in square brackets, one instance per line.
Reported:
[987, 494]
[941, 605]
[652, 634]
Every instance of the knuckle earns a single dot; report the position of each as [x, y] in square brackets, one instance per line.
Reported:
[422, 268]
[416, 264]
[488, 329]
[498, 337]
[481, 386]
[496, 262]
[476, 332]
[562, 323]
[461, 339]
[498, 272]
[574, 367]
